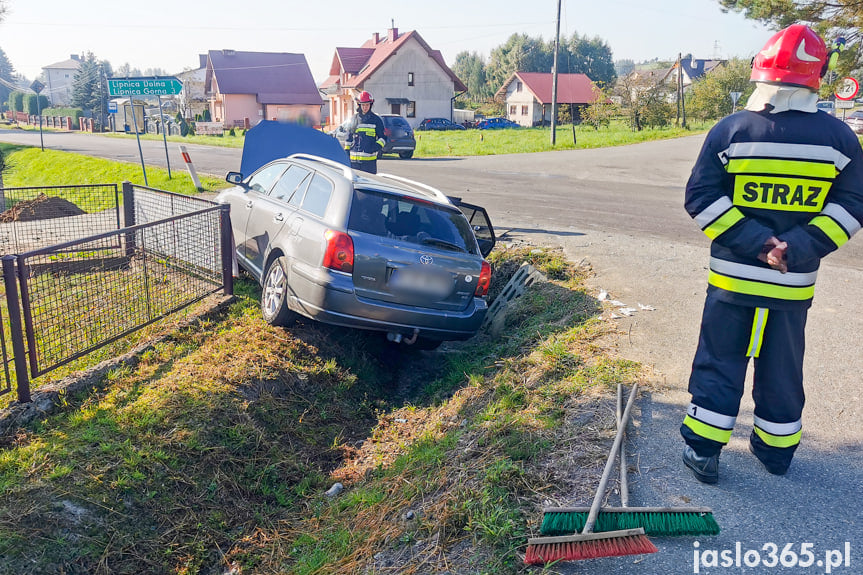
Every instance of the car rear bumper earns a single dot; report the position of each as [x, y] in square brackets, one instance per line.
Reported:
[329, 297]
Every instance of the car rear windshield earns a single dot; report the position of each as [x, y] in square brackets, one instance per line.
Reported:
[411, 220]
[400, 122]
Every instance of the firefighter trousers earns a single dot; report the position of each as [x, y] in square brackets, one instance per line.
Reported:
[730, 336]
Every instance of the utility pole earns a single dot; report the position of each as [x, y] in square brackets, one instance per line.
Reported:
[677, 88]
[554, 78]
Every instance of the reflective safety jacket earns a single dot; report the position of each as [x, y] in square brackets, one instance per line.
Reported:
[365, 137]
[794, 175]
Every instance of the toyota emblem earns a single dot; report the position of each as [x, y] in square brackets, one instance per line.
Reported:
[426, 259]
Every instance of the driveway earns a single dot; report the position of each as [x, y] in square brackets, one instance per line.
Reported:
[620, 210]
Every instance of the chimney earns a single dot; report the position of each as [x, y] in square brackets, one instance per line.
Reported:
[202, 60]
[376, 38]
[75, 57]
[393, 34]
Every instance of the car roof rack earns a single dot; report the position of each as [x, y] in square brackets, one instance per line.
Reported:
[434, 191]
[346, 170]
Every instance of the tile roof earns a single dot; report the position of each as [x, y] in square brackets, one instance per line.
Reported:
[70, 64]
[571, 88]
[364, 61]
[275, 77]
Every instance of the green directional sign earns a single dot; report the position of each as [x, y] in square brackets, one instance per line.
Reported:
[162, 86]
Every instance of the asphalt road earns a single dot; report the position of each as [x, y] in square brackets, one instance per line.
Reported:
[620, 210]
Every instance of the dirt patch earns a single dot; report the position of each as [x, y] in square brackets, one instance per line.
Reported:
[41, 207]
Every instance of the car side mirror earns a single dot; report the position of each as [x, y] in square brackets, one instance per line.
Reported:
[236, 178]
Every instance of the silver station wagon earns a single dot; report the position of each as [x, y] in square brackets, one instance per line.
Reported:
[372, 252]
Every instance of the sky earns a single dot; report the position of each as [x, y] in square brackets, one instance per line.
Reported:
[169, 34]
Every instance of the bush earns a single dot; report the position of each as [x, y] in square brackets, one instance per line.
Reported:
[73, 113]
[205, 117]
[16, 101]
[32, 107]
[231, 132]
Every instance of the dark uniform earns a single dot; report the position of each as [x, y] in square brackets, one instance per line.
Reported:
[796, 176]
[365, 139]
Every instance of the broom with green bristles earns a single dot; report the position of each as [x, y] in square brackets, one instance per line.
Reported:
[656, 521]
[588, 544]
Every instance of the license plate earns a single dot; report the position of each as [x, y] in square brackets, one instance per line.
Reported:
[423, 282]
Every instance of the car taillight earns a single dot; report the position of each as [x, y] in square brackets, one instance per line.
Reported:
[388, 132]
[340, 252]
[484, 280]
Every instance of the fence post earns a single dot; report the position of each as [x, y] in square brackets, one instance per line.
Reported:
[10, 277]
[227, 248]
[129, 217]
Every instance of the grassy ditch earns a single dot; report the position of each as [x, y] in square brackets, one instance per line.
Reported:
[214, 453]
[33, 167]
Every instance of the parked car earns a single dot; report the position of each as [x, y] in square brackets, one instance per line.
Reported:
[371, 252]
[439, 124]
[496, 123]
[855, 120]
[398, 132]
[826, 106]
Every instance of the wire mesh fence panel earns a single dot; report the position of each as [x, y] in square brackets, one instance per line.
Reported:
[81, 295]
[36, 217]
[152, 205]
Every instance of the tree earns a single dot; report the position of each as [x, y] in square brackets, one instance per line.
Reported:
[590, 56]
[520, 53]
[7, 72]
[470, 68]
[2, 9]
[599, 112]
[830, 19]
[90, 86]
[710, 96]
[126, 71]
[645, 99]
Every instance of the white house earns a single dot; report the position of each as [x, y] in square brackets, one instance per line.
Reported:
[528, 95]
[402, 73]
[58, 80]
[193, 99]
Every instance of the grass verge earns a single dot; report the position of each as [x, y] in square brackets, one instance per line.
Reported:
[215, 452]
[34, 167]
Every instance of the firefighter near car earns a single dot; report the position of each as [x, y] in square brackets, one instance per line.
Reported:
[366, 137]
[776, 187]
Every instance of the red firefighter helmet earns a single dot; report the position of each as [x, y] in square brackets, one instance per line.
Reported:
[365, 98]
[795, 55]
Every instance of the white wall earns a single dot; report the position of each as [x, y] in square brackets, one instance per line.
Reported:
[519, 99]
[59, 85]
[432, 90]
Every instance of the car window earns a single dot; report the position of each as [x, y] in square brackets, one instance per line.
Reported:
[300, 194]
[399, 122]
[288, 183]
[414, 221]
[263, 180]
[318, 195]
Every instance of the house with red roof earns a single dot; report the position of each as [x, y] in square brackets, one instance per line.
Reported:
[403, 74]
[244, 88]
[528, 95]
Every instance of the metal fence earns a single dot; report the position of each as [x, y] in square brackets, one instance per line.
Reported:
[78, 295]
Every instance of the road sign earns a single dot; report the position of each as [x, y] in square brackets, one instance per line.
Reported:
[735, 96]
[37, 86]
[112, 107]
[159, 86]
[846, 104]
[847, 89]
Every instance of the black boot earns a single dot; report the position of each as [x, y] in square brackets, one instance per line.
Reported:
[705, 469]
[774, 467]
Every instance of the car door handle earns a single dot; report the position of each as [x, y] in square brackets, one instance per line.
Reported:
[249, 204]
[279, 217]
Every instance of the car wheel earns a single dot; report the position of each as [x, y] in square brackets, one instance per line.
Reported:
[274, 305]
[423, 343]
[406, 155]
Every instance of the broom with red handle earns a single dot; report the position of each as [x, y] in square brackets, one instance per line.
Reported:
[587, 544]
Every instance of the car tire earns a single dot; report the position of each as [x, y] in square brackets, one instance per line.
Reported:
[426, 344]
[406, 155]
[274, 306]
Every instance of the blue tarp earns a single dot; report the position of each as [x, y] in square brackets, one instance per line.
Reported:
[271, 140]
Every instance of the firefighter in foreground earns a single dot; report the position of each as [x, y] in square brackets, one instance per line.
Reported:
[365, 136]
[777, 187]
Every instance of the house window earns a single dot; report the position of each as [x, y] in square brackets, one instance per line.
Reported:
[395, 109]
[512, 110]
[524, 110]
[410, 78]
[412, 110]
[518, 86]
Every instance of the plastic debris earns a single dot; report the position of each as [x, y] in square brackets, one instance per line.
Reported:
[334, 490]
[603, 295]
[617, 303]
[646, 307]
[627, 311]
